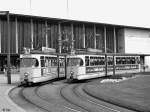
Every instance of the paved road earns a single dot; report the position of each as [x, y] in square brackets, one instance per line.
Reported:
[60, 96]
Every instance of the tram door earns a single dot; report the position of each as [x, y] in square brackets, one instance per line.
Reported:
[61, 66]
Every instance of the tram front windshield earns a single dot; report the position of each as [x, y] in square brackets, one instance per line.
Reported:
[74, 62]
[29, 62]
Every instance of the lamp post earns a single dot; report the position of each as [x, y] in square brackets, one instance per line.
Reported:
[8, 46]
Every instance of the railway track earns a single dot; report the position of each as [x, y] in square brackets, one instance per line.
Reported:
[60, 97]
[104, 106]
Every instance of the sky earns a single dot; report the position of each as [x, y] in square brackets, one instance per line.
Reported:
[121, 12]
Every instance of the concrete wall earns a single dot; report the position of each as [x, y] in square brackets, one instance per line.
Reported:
[138, 41]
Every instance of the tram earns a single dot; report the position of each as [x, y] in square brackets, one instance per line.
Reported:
[85, 66]
[39, 67]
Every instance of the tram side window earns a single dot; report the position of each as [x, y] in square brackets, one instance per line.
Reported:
[133, 60]
[110, 61]
[128, 60]
[102, 61]
[47, 61]
[42, 61]
[86, 60]
[61, 61]
[91, 61]
[137, 60]
[118, 60]
[123, 60]
[74, 62]
[53, 61]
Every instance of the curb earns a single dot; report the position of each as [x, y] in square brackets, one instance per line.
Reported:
[11, 102]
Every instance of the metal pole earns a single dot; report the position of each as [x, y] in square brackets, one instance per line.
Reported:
[105, 64]
[8, 50]
[114, 65]
[65, 66]
[58, 69]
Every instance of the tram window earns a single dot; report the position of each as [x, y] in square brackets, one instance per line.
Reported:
[42, 63]
[110, 61]
[29, 62]
[102, 61]
[42, 57]
[61, 61]
[123, 60]
[86, 60]
[118, 60]
[133, 60]
[137, 60]
[74, 62]
[53, 61]
[128, 60]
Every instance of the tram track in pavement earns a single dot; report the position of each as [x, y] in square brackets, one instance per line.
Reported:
[33, 96]
[105, 106]
[69, 98]
[89, 103]
[16, 94]
[35, 103]
[77, 90]
[71, 95]
[62, 108]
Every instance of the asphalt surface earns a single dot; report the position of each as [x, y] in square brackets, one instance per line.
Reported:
[133, 93]
[86, 96]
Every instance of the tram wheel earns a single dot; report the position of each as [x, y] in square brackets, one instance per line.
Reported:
[69, 80]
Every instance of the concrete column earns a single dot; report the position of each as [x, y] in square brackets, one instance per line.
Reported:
[83, 36]
[105, 42]
[16, 22]
[46, 35]
[32, 34]
[59, 38]
[114, 40]
[94, 36]
[72, 38]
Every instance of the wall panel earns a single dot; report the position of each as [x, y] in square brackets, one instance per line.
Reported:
[89, 36]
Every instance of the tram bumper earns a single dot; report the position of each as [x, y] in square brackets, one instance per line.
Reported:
[25, 78]
[71, 75]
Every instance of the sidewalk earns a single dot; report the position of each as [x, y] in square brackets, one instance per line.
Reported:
[7, 105]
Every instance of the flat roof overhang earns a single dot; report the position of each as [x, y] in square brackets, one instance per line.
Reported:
[62, 20]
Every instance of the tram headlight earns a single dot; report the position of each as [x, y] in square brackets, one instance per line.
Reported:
[26, 75]
[71, 74]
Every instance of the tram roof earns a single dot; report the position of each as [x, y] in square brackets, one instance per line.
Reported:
[112, 54]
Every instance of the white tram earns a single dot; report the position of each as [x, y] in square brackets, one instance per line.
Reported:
[40, 67]
[83, 66]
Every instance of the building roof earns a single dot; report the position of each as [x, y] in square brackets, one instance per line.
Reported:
[75, 21]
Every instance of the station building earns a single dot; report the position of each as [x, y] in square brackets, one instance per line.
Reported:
[36, 32]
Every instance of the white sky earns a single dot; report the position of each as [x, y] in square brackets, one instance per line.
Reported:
[122, 12]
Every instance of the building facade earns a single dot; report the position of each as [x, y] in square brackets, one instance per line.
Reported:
[36, 32]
